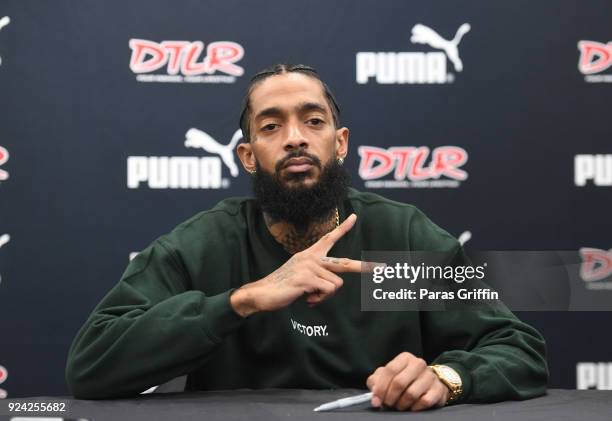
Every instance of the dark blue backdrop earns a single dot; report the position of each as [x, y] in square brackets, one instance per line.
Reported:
[72, 111]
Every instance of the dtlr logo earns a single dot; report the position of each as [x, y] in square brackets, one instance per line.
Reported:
[595, 58]
[4, 157]
[414, 67]
[181, 57]
[186, 172]
[3, 377]
[408, 162]
[596, 266]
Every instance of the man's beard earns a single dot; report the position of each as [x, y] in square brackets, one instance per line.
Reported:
[301, 206]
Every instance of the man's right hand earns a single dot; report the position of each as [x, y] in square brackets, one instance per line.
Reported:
[309, 272]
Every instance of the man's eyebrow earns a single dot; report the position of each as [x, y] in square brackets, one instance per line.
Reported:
[269, 112]
[311, 106]
[302, 107]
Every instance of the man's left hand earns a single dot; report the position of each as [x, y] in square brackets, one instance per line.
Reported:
[406, 382]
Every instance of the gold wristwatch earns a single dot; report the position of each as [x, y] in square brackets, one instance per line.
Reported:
[451, 379]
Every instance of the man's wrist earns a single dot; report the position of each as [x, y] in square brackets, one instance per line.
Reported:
[451, 380]
[242, 302]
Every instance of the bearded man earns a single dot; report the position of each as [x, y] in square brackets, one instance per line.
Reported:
[265, 292]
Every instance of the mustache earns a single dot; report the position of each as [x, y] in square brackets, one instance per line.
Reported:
[297, 154]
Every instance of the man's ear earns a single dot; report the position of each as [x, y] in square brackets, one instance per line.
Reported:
[342, 138]
[245, 153]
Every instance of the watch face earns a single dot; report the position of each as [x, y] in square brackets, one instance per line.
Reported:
[450, 375]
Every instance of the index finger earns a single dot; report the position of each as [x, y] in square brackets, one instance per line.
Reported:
[349, 265]
[326, 242]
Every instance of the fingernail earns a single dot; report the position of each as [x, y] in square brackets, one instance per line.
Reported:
[376, 401]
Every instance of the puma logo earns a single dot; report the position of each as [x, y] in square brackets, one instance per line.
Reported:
[464, 237]
[422, 34]
[195, 138]
[3, 22]
[4, 238]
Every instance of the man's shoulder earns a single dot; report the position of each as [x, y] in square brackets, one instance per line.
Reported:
[226, 216]
[366, 201]
[230, 208]
[400, 221]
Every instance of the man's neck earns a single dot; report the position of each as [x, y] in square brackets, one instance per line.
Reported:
[294, 241]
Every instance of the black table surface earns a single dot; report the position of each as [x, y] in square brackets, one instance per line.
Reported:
[293, 404]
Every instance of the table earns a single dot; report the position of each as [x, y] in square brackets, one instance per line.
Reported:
[293, 404]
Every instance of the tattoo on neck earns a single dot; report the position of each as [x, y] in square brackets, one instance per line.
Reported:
[294, 241]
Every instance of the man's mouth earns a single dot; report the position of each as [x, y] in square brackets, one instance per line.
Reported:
[296, 165]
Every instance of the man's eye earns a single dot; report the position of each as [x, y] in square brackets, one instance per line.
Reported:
[269, 127]
[315, 121]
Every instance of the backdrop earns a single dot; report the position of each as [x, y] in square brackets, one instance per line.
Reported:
[118, 119]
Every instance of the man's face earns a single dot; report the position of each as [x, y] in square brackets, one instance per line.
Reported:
[292, 130]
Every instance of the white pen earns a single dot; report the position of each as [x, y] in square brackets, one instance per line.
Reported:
[344, 402]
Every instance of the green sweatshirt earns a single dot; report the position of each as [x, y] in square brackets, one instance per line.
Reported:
[170, 315]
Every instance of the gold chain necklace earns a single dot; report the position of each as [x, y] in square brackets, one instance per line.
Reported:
[337, 218]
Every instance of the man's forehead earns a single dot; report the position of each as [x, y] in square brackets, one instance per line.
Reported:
[287, 90]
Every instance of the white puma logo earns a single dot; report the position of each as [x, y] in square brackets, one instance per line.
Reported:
[464, 237]
[422, 34]
[4, 238]
[195, 138]
[3, 22]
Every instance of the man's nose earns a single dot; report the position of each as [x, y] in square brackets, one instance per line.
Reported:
[295, 138]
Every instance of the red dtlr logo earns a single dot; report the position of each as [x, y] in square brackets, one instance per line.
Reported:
[182, 60]
[409, 168]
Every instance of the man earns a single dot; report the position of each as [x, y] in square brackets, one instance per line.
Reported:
[265, 293]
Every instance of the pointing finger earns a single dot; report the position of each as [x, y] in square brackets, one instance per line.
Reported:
[336, 264]
[326, 242]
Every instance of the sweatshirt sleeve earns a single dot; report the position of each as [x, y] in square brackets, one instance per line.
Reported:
[148, 329]
[497, 356]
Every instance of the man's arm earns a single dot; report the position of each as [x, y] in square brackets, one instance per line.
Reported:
[151, 327]
[497, 356]
[147, 330]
